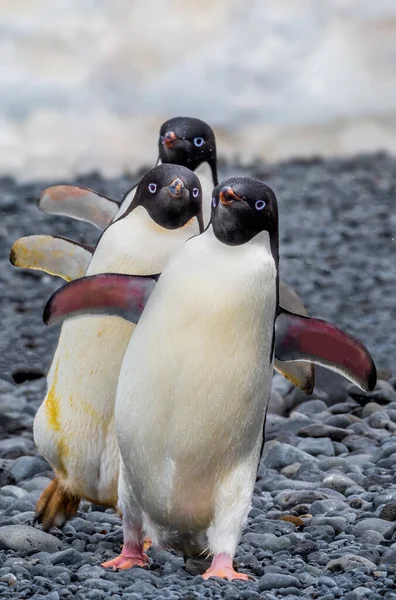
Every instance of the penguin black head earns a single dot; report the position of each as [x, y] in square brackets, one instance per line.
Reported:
[188, 142]
[171, 194]
[242, 208]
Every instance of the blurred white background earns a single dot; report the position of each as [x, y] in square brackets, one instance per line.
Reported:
[85, 84]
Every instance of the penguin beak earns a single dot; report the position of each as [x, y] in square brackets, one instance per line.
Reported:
[227, 196]
[176, 188]
[170, 139]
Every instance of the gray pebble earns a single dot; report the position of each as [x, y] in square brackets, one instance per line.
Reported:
[321, 430]
[277, 455]
[36, 484]
[12, 491]
[322, 507]
[267, 541]
[317, 446]
[350, 561]
[384, 527]
[276, 404]
[337, 481]
[288, 499]
[389, 557]
[370, 408]
[311, 408]
[66, 557]
[26, 467]
[23, 537]
[15, 447]
[337, 523]
[275, 581]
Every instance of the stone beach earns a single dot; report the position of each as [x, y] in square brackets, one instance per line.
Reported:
[323, 518]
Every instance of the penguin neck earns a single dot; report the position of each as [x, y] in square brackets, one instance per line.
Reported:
[137, 245]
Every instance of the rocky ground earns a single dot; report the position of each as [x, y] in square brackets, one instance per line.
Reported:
[323, 518]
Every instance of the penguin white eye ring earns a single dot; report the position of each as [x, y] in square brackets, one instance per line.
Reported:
[214, 202]
[195, 192]
[199, 141]
[260, 204]
[152, 188]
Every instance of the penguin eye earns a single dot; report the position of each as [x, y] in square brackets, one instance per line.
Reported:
[162, 139]
[152, 188]
[260, 204]
[199, 142]
[214, 202]
[195, 192]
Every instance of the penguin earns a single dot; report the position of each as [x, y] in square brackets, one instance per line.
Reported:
[196, 377]
[74, 426]
[182, 141]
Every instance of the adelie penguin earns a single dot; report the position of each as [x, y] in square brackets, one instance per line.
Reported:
[196, 377]
[74, 427]
[182, 140]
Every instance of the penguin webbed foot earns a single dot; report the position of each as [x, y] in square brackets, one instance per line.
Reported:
[222, 567]
[55, 506]
[131, 556]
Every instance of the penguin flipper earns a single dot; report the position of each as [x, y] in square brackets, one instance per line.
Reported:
[79, 203]
[301, 374]
[51, 254]
[314, 340]
[108, 294]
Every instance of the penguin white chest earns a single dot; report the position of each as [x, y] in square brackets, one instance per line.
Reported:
[196, 377]
[74, 427]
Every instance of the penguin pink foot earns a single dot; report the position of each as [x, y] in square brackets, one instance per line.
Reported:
[132, 555]
[222, 567]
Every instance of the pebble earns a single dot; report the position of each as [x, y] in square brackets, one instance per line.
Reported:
[384, 527]
[338, 482]
[276, 581]
[277, 455]
[317, 446]
[290, 498]
[350, 561]
[28, 539]
[66, 557]
[323, 431]
[388, 512]
[27, 467]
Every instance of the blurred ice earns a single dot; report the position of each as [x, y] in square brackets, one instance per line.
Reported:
[85, 84]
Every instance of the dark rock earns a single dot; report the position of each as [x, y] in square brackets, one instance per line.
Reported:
[6, 477]
[388, 513]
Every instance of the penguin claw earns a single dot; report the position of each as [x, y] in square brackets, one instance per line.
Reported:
[55, 506]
